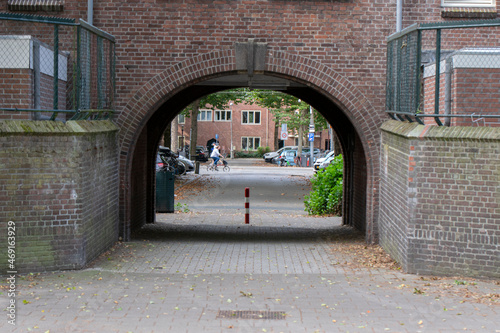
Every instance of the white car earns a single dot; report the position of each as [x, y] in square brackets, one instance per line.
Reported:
[322, 163]
[268, 157]
[322, 159]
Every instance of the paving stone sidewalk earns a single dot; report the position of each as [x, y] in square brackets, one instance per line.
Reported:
[206, 271]
[181, 275]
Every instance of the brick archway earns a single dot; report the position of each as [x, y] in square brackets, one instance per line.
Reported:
[324, 81]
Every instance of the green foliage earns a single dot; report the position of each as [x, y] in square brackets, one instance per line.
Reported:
[247, 154]
[219, 101]
[182, 207]
[284, 108]
[262, 150]
[325, 197]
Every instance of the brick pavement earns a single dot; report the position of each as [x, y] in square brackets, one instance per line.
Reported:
[178, 274]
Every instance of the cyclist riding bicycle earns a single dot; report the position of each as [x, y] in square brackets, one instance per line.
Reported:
[215, 155]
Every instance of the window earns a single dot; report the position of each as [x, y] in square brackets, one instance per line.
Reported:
[205, 115]
[468, 3]
[250, 117]
[182, 119]
[250, 143]
[222, 115]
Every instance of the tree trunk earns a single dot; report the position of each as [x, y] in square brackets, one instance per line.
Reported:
[167, 139]
[194, 128]
[276, 137]
[303, 115]
[174, 133]
[336, 145]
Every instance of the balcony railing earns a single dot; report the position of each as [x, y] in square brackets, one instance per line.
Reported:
[54, 68]
[445, 73]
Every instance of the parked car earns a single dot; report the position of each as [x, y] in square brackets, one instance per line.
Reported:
[305, 153]
[287, 157]
[268, 157]
[318, 161]
[201, 154]
[316, 153]
[323, 164]
[187, 163]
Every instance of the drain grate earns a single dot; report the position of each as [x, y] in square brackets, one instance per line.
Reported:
[226, 314]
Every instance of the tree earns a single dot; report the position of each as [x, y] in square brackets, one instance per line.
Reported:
[173, 134]
[290, 110]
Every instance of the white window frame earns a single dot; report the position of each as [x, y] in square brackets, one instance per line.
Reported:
[253, 122]
[468, 3]
[207, 115]
[218, 114]
[249, 139]
[181, 119]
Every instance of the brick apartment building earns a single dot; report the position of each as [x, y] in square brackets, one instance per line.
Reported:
[246, 127]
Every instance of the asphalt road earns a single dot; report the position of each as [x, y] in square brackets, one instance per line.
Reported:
[272, 189]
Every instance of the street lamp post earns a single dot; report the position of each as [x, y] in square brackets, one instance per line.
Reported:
[182, 139]
[311, 142]
[231, 110]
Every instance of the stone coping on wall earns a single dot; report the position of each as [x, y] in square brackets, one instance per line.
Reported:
[48, 127]
[416, 131]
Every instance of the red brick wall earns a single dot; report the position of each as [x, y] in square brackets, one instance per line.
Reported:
[16, 92]
[62, 192]
[474, 91]
[439, 208]
[47, 93]
[429, 98]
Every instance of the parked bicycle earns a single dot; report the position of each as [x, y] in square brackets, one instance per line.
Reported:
[172, 164]
[225, 166]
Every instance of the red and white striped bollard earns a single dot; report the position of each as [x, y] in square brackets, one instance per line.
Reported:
[247, 205]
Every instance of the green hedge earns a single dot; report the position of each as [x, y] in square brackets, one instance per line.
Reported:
[325, 197]
[252, 153]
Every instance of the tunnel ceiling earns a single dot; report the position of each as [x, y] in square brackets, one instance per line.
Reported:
[256, 81]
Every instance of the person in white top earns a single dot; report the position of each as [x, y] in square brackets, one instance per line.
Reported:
[215, 155]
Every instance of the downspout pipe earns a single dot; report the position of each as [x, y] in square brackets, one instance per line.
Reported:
[399, 15]
[447, 91]
[90, 12]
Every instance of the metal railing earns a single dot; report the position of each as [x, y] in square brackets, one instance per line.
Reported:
[430, 65]
[54, 68]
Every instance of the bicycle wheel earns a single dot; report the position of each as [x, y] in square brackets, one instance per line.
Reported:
[180, 169]
[226, 169]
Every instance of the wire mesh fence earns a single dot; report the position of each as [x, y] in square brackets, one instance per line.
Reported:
[54, 68]
[445, 73]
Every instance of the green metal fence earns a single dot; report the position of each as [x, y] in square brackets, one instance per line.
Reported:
[423, 75]
[55, 68]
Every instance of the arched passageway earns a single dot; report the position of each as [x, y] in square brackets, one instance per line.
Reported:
[154, 106]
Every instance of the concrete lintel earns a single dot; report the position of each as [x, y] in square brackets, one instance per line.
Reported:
[250, 56]
[47, 127]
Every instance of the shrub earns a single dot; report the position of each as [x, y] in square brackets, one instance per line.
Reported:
[247, 154]
[325, 197]
[262, 150]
